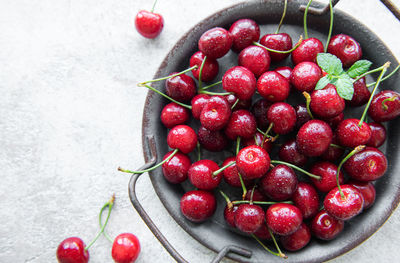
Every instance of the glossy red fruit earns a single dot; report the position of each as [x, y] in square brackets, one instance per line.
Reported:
[149, 24]
[181, 88]
[344, 208]
[198, 102]
[249, 218]
[367, 165]
[210, 67]
[229, 215]
[176, 169]
[361, 93]
[214, 141]
[240, 105]
[72, 250]
[351, 135]
[302, 115]
[215, 113]
[197, 206]
[259, 110]
[240, 81]
[327, 171]
[346, 48]
[215, 43]
[279, 183]
[256, 59]
[325, 227]
[378, 135]
[326, 103]
[367, 190]
[125, 248]
[174, 114]
[283, 116]
[231, 174]
[244, 32]
[252, 162]
[305, 76]
[284, 71]
[273, 87]
[334, 152]
[306, 199]
[182, 137]
[281, 41]
[289, 153]
[381, 110]
[201, 175]
[335, 121]
[263, 232]
[307, 51]
[314, 138]
[260, 140]
[283, 219]
[298, 239]
[241, 124]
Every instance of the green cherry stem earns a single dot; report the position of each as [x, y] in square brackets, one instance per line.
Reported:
[308, 101]
[296, 168]
[330, 25]
[100, 220]
[305, 19]
[223, 168]
[168, 77]
[386, 65]
[165, 96]
[200, 72]
[237, 202]
[276, 244]
[215, 93]
[198, 151]
[280, 51]
[356, 150]
[384, 106]
[234, 104]
[265, 247]
[252, 194]
[228, 201]
[237, 144]
[337, 146]
[244, 189]
[378, 81]
[151, 168]
[212, 85]
[255, 140]
[109, 204]
[154, 5]
[386, 77]
[282, 18]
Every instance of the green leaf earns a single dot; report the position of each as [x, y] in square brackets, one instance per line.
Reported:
[322, 82]
[330, 63]
[344, 87]
[359, 68]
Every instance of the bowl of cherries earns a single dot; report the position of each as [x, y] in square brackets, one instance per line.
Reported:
[270, 131]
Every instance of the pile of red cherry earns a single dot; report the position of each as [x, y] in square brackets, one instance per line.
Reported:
[313, 138]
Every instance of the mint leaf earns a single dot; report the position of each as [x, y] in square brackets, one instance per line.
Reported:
[344, 87]
[322, 82]
[359, 68]
[330, 63]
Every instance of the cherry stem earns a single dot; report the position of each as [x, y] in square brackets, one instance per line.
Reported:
[237, 144]
[282, 18]
[260, 202]
[228, 201]
[244, 189]
[330, 25]
[168, 77]
[252, 194]
[354, 151]
[109, 204]
[255, 141]
[234, 104]
[151, 168]
[276, 244]
[308, 101]
[337, 146]
[264, 246]
[223, 168]
[154, 5]
[386, 65]
[305, 19]
[280, 51]
[386, 77]
[166, 96]
[212, 85]
[198, 151]
[296, 168]
[215, 93]
[383, 68]
[101, 224]
[200, 72]
[384, 106]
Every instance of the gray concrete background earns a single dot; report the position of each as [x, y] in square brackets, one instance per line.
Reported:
[70, 114]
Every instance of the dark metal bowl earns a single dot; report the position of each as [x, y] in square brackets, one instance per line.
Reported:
[214, 233]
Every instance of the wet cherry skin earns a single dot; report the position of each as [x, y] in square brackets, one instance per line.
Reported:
[249, 218]
[279, 183]
[283, 219]
[240, 81]
[378, 135]
[351, 135]
[381, 111]
[198, 205]
[367, 190]
[283, 117]
[201, 175]
[361, 93]
[174, 114]
[214, 141]
[314, 138]
[327, 171]
[149, 24]
[333, 153]
[346, 48]
[215, 43]
[229, 215]
[198, 102]
[298, 239]
[240, 105]
[215, 113]
[284, 71]
[255, 195]
[273, 87]
[176, 169]
[307, 51]
[210, 67]
[125, 248]
[181, 88]
[326, 103]
[244, 32]
[302, 115]
[289, 153]
[182, 137]
[252, 162]
[231, 174]
[326, 227]
[306, 199]
[344, 208]
[241, 124]
[256, 59]
[259, 110]
[305, 76]
[72, 250]
[281, 41]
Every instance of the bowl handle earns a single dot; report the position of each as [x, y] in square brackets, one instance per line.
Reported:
[153, 228]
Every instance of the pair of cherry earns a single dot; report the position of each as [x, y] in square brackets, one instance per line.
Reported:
[125, 248]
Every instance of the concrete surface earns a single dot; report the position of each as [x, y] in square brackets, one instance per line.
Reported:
[70, 114]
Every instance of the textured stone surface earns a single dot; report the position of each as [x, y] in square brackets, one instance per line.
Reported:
[70, 114]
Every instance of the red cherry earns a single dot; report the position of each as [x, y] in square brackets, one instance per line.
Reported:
[385, 106]
[214, 141]
[346, 48]
[314, 138]
[279, 183]
[72, 250]
[302, 115]
[298, 239]
[197, 206]
[333, 153]
[201, 175]
[344, 208]
[173, 114]
[283, 116]
[378, 135]
[181, 88]
[367, 190]
[249, 218]
[241, 81]
[257, 139]
[263, 232]
[252, 162]
[283, 219]
[335, 121]
[327, 171]
[326, 103]
[255, 195]
[198, 102]
[149, 24]
[273, 86]
[306, 199]
[229, 215]
[231, 174]
[325, 227]
[351, 135]
[305, 76]
[256, 59]
[281, 41]
[289, 153]
[126, 248]
[307, 51]
[176, 169]
[241, 124]
[210, 67]
[182, 137]
[215, 43]
[259, 110]
[244, 32]
[215, 113]
[361, 93]
[240, 105]
[284, 71]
